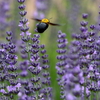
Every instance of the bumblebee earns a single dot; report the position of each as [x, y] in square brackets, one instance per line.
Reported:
[43, 25]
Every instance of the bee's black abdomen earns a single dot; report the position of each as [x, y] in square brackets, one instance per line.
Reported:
[41, 27]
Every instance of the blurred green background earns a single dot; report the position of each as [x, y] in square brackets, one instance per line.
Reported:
[68, 13]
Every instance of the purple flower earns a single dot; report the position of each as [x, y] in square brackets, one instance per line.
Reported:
[4, 9]
[21, 1]
[77, 69]
[8, 60]
[45, 79]
[60, 66]
[31, 65]
[41, 7]
[85, 16]
[13, 88]
[41, 4]
[70, 97]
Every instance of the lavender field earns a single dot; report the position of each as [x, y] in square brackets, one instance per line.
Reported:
[62, 63]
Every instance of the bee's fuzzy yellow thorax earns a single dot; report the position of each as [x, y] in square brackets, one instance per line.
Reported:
[45, 20]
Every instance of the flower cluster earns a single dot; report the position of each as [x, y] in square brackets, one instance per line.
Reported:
[80, 79]
[4, 15]
[8, 75]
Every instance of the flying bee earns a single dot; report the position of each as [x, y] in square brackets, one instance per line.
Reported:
[44, 24]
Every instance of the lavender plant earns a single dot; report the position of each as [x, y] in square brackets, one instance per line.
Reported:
[8, 75]
[4, 16]
[34, 86]
[73, 16]
[81, 66]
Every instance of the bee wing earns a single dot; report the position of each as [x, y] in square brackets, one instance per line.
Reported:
[36, 19]
[54, 24]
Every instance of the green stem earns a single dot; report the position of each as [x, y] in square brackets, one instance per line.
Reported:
[85, 98]
[92, 95]
[97, 96]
